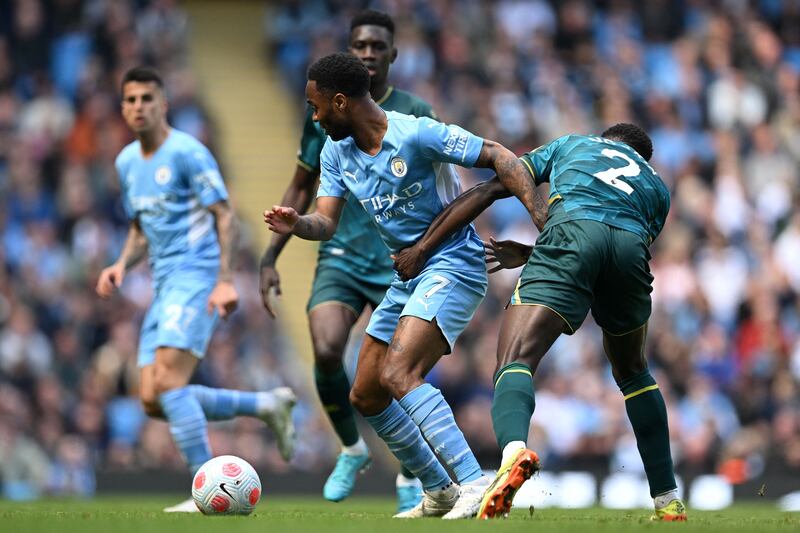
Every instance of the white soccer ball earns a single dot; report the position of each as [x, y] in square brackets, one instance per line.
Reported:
[226, 485]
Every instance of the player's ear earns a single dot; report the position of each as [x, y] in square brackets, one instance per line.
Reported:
[394, 55]
[339, 102]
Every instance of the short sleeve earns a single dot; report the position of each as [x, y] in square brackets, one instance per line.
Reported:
[123, 189]
[204, 177]
[311, 143]
[331, 182]
[448, 143]
[540, 161]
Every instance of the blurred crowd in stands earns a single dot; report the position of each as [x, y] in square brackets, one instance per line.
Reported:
[68, 378]
[717, 85]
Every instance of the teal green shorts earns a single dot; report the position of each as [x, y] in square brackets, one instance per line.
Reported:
[580, 265]
[334, 286]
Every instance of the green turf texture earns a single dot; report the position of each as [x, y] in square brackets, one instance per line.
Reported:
[278, 515]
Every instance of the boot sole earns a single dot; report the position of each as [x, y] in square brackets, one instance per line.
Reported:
[499, 496]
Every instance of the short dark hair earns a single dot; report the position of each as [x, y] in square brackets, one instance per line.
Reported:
[370, 17]
[142, 74]
[633, 136]
[340, 73]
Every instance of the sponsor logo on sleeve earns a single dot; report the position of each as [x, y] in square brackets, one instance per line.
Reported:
[456, 141]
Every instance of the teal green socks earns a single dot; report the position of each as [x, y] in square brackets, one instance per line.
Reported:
[334, 393]
[648, 415]
[513, 403]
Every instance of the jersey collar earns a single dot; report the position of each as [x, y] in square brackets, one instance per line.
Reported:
[385, 96]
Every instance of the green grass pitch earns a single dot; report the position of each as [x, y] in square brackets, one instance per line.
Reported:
[281, 514]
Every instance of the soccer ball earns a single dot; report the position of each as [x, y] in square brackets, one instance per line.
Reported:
[226, 485]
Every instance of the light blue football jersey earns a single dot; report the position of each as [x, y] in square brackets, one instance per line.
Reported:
[169, 193]
[408, 183]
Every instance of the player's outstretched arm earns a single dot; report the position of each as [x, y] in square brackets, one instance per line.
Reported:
[133, 251]
[298, 196]
[224, 298]
[318, 226]
[514, 177]
[463, 210]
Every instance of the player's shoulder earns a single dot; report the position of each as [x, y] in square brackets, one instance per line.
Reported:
[576, 138]
[184, 143]
[396, 116]
[128, 154]
[412, 100]
[569, 142]
[408, 122]
[402, 126]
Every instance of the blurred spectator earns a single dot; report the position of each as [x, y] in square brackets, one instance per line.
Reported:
[68, 379]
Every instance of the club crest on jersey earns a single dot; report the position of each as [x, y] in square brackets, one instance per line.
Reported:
[399, 167]
[163, 175]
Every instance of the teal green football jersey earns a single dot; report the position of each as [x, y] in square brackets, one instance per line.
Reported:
[356, 246]
[592, 178]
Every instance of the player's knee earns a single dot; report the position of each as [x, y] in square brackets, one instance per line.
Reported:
[398, 380]
[164, 380]
[366, 403]
[327, 358]
[628, 369]
[529, 359]
[327, 355]
[151, 405]
[358, 400]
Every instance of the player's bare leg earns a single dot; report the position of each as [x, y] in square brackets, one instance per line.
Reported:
[416, 347]
[171, 371]
[648, 415]
[147, 392]
[152, 407]
[393, 424]
[527, 333]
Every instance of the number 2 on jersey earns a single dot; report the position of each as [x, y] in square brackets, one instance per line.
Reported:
[611, 176]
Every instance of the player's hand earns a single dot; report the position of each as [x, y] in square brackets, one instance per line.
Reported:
[224, 299]
[110, 278]
[409, 262]
[281, 219]
[270, 280]
[507, 254]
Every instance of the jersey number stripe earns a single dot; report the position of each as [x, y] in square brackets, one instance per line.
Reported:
[611, 176]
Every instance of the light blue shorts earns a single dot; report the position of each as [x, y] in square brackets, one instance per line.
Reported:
[451, 297]
[178, 318]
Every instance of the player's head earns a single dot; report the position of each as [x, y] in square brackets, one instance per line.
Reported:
[335, 82]
[144, 105]
[633, 136]
[372, 41]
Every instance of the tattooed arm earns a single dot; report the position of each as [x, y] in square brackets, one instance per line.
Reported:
[515, 178]
[317, 226]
